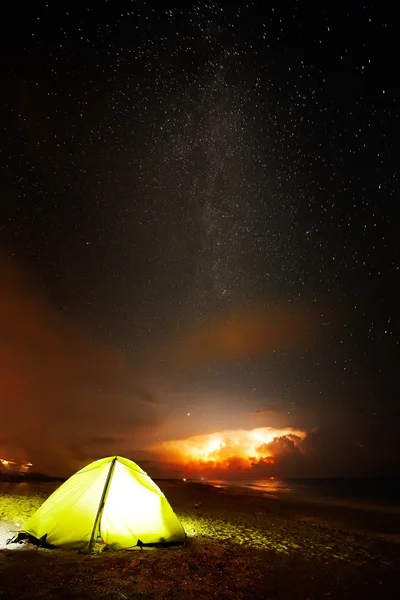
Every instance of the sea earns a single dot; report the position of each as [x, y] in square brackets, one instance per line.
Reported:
[373, 493]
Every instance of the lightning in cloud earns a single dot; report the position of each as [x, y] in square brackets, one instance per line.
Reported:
[224, 450]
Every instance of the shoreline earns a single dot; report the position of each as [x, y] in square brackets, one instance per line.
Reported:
[302, 498]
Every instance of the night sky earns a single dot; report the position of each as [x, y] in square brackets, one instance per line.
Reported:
[198, 220]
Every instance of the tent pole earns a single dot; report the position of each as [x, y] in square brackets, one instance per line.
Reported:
[101, 504]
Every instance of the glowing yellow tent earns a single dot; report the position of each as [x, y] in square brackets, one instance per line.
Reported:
[112, 501]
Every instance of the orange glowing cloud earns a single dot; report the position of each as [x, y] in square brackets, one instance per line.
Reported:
[59, 390]
[225, 450]
[246, 333]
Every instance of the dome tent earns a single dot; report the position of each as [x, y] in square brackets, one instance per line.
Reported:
[111, 501]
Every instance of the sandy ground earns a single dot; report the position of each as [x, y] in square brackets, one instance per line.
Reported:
[238, 547]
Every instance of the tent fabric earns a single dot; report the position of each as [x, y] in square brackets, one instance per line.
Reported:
[112, 500]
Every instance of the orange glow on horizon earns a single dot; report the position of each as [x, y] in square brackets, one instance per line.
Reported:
[230, 448]
[12, 466]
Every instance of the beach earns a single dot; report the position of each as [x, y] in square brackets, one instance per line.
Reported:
[239, 545]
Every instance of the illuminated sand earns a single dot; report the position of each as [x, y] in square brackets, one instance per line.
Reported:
[238, 547]
[18, 501]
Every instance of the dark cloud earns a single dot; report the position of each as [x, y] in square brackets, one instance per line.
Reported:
[361, 449]
[59, 388]
[281, 446]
